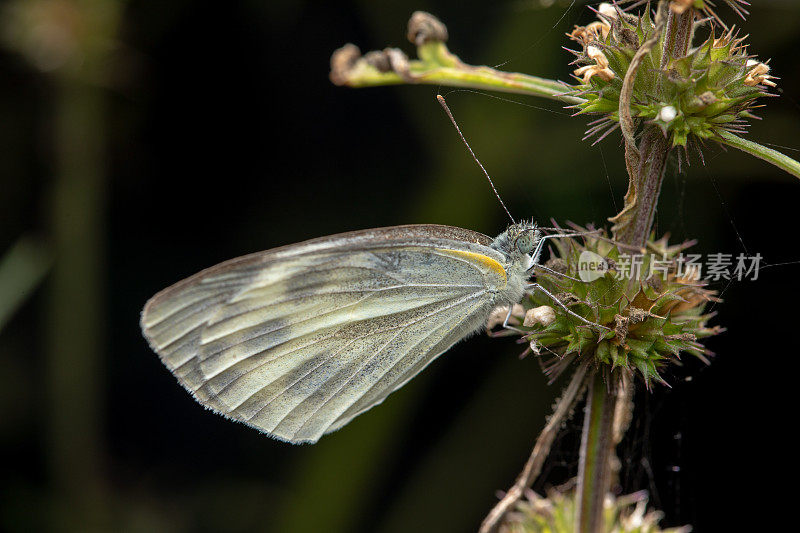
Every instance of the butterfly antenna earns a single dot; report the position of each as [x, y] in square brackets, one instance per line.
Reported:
[440, 98]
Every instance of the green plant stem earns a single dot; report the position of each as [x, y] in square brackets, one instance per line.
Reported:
[467, 76]
[650, 169]
[437, 66]
[597, 445]
[678, 35]
[75, 309]
[633, 225]
[769, 155]
[601, 432]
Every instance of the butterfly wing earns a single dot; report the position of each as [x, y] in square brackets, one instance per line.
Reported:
[298, 340]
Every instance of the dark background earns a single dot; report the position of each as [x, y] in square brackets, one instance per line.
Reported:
[207, 130]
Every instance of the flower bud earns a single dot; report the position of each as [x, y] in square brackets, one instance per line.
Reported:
[544, 315]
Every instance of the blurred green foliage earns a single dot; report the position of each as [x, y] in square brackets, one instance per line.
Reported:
[21, 270]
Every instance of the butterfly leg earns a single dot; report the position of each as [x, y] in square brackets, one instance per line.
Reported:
[540, 245]
[556, 273]
[536, 286]
[508, 326]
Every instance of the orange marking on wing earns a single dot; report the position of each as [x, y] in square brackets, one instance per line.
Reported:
[484, 260]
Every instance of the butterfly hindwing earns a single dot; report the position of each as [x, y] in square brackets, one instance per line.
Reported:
[299, 340]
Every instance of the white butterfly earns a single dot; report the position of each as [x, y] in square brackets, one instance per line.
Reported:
[299, 340]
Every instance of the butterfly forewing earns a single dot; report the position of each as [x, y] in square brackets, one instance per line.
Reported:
[299, 340]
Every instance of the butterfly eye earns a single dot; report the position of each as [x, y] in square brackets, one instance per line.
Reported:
[525, 243]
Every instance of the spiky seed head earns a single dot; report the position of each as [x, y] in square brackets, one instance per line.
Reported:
[714, 87]
[649, 317]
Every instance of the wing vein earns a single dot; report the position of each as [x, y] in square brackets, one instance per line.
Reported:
[294, 324]
[393, 386]
[405, 353]
[316, 341]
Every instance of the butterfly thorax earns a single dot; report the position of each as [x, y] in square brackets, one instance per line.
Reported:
[518, 244]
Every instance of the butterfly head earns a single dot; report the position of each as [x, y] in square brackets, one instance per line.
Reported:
[519, 242]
